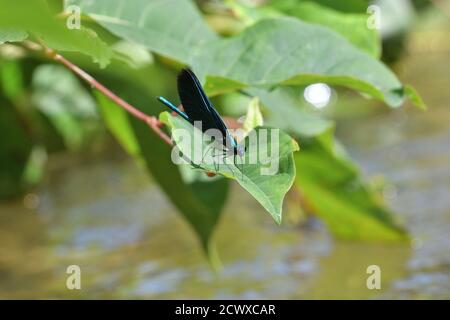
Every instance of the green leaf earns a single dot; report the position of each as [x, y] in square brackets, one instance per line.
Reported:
[290, 52]
[249, 14]
[83, 40]
[34, 17]
[267, 183]
[35, 166]
[116, 120]
[219, 85]
[173, 28]
[15, 150]
[352, 26]
[136, 56]
[414, 96]
[285, 111]
[60, 97]
[333, 188]
[12, 35]
[254, 116]
[350, 6]
[11, 79]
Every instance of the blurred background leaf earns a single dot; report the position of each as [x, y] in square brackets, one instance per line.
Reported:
[333, 188]
[57, 93]
[15, 149]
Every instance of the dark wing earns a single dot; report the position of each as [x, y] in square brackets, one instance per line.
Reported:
[217, 119]
[226, 136]
[195, 102]
[197, 105]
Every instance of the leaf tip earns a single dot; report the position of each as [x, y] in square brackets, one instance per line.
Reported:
[415, 97]
[254, 117]
[164, 118]
[295, 146]
[277, 218]
[213, 257]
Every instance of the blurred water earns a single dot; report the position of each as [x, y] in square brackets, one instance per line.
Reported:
[106, 216]
[412, 149]
[110, 220]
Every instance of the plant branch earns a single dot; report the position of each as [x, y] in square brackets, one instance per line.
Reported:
[151, 121]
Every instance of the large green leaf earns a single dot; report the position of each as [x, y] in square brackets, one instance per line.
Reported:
[331, 184]
[58, 95]
[352, 26]
[34, 17]
[173, 28]
[291, 52]
[267, 186]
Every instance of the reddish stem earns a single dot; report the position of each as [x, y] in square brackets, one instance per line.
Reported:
[151, 121]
